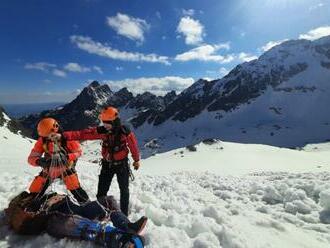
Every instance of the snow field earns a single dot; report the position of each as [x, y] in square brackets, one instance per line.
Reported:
[189, 209]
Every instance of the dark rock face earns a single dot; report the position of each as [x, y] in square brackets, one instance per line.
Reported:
[169, 97]
[210, 141]
[148, 106]
[147, 100]
[2, 117]
[189, 103]
[121, 98]
[244, 86]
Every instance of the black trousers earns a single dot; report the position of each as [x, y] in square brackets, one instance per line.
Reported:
[121, 170]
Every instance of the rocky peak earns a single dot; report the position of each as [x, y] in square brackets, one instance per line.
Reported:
[147, 100]
[92, 96]
[124, 93]
[121, 97]
[94, 84]
[169, 97]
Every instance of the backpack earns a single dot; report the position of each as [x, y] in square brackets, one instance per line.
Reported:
[77, 227]
[20, 219]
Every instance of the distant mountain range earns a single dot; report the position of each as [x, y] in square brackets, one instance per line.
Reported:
[20, 110]
[282, 98]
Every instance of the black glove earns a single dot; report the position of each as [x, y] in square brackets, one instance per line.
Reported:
[101, 130]
[43, 162]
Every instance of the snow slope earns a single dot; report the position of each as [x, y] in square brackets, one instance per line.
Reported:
[223, 195]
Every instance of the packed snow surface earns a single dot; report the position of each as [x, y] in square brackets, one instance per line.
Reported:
[221, 195]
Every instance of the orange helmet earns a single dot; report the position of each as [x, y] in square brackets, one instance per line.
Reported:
[47, 126]
[109, 114]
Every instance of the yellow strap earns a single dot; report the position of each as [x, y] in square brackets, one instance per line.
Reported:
[45, 147]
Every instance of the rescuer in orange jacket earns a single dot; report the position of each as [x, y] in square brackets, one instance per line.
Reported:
[117, 141]
[57, 159]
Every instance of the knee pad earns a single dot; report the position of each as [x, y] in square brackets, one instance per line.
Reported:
[72, 182]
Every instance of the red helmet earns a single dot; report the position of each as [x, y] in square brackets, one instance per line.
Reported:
[109, 114]
[47, 126]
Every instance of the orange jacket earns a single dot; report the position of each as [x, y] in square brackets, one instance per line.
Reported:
[73, 148]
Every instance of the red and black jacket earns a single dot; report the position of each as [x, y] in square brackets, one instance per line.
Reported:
[115, 147]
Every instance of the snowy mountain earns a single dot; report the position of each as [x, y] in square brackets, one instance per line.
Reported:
[280, 99]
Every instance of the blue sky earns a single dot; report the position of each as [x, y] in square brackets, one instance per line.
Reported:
[51, 49]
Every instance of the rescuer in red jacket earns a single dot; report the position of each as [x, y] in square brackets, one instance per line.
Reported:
[57, 160]
[117, 141]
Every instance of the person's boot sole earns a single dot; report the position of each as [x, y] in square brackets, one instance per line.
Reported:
[142, 226]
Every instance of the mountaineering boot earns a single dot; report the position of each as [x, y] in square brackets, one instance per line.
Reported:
[138, 226]
[80, 195]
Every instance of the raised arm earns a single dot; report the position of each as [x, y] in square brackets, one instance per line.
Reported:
[85, 134]
[74, 150]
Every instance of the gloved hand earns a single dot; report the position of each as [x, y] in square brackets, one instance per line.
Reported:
[136, 165]
[101, 130]
[43, 162]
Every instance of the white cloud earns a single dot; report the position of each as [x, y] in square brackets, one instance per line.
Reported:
[128, 26]
[75, 67]
[316, 33]
[119, 68]
[188, 12]
[192, 30]
[59, 73]
[271, 44]
[246, 57]
[42, 66]
[98, 69]
[206, 53]
[138, 67]
[208, 78]
[155, 85]
[223, 71]
[93, 47]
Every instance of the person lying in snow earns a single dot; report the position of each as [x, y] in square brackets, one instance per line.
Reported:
[60, 217]
[57, 160]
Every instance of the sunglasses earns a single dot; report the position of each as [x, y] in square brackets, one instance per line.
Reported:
[55, 127]
[108, 122]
